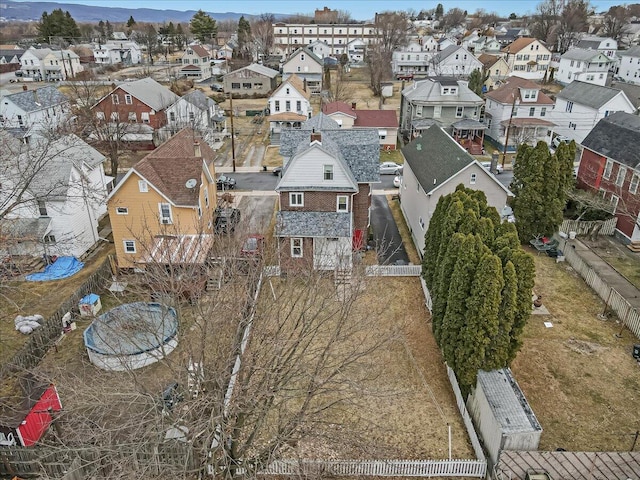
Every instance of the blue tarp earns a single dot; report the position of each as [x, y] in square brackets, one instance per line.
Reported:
[90, 299]
[63, 267]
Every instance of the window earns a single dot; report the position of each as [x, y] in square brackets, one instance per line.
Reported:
[129, 246]
[328, 172]
[128, 99]
[122, 211]
[114, 99]
[421, 221]
[532, 111]
[607, 169]
[132, 117]
[633, 184]
[437, 111]
[296, 248]
[277, 106]
[235, 86]
[302, 57]
[543, 111]
[296, 199]
[445, 91]
[342, 203]
[165, 213]
[115, 117]
[622, 172]
[298, 105]
[172, 116]
[246, 85]
[459, 112]
[614, 202]
[418, 110]
[472, 180]
[192, 116]
[42, 208]
[143, 186]
[287, 106]
[49, 238]
[145, 117]
[568, 107]
[20, 121]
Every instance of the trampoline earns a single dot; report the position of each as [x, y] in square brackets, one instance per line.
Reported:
[132, 336]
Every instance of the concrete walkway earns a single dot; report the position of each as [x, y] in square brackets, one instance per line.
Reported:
[606, 272]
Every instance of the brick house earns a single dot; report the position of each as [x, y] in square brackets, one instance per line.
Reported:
[143, 101]
[325, 194]
[610, 165]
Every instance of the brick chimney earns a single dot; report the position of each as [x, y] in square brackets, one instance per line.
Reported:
[353, 105]
[196, 149]
[25, 87]
[316, 137]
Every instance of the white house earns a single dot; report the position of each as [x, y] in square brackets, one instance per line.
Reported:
[198, 112]
[629, 69]
[320, 48]
[605, 45]
[580, 105]
[415, 58]
[114, 53]
[58, 212]
[44, 64]
[527, 57]
[307, 66]
[589, 66]
[196, 62]
[454, 61]
[444, 42]
[31, 112]
[434, 166]
[356, 50]
[289, 105]
[518, 104]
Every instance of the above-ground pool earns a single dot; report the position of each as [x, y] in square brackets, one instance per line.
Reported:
[132, 336]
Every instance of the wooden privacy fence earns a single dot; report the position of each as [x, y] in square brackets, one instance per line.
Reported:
[607, 227]
[380, 468]
[43, 338]
[629, 315]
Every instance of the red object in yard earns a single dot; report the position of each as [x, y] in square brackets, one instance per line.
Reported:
[358, 240]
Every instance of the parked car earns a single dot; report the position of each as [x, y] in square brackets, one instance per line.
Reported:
[558, 139]
[217, 87]
[277, 171]
[390, 168]
[252, 246]
[397, 181]
[18, 73]
[226, 220]
[225, 183]
[498, 168]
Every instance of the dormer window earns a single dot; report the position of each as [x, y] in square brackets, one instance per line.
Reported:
[453, 91]
[445, 90]
[302, 57]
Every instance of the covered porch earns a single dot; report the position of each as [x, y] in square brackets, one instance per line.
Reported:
[284, 120]
[527, 130]
[469, 134]
[418, 125]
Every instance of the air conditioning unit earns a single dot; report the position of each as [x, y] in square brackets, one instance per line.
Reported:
[165, 220]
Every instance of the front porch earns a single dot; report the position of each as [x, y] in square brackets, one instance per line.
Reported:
[527, 130]
[469, 134]
[283, 121]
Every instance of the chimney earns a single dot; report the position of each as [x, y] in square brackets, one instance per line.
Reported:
[197, 150]
[25, 87]
[353, 105]
[316, 137]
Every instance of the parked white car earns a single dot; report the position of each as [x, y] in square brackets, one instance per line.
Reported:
[390, 168]
[487, 165]
[555, 143]
[397, 181]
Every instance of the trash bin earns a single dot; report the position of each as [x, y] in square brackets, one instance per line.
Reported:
[572, 235]
[264, 168]
[89, 305]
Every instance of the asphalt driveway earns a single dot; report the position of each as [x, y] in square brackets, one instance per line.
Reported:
[386, 237]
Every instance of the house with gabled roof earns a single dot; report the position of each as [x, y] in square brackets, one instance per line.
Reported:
[610, 166]
[307, 65]
[196, 62]
[44, 64]
[254, 79]
[385, 122]
[454, 61]
[605, 45]
[527, 57]
[495, 69]
[435, 164]
[325, 194]
[519, 105]
[117, 52]
[199, 112]
[289, 106]
[629, 69]
[142, 101]
[320, 48]
[10, 56]
[162, 211]
[580, 106]
[589, 66]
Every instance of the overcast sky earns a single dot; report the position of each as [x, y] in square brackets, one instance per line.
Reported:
[359, 9]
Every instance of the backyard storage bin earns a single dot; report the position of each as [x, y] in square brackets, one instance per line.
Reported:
[89, 305]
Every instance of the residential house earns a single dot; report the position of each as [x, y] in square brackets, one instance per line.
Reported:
[289, 106]
[325, 194]
[307, 66]
[435, 164]
[198, 112]
[356, 50]
[441, 101]
[196, 62]
[116, 53]
[288, 37]
[605, 45]
[142, 101]
[519, 105]
[484, 44]
[469, 38]
[589, 66]
[631, 33]
[527, 57]
[253, 79]
[610, 166]
[511, 35]
[629, 69]
[119, 36]
[162, 211]
[415, 58]
[320, 49]
[10, 60]
[495, 69]
[225, 52]
[385, 122]
[445, 42]
[44, 64]
[580, 106]
[60, 201]
[454, 61]
[34, 112]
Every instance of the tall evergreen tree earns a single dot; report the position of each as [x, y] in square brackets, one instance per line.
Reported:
[525, 271]
[131, 22]
[203, 27]
[108, 28]
[476, 81]
[499, 349]
[441, 294]
[57, 26]
[244, 37]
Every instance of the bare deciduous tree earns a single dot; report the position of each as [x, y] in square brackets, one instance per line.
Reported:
[545, 20]
[616, 22]
[572, 24]
[452, 19]
[393, 30]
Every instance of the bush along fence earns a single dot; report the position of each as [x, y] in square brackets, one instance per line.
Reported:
[44, 338]
[629, 315]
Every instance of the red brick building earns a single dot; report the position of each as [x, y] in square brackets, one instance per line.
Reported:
[610, 165]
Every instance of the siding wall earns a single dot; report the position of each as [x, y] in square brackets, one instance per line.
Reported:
[106, 106]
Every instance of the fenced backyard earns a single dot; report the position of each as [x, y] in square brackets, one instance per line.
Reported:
[580, 227]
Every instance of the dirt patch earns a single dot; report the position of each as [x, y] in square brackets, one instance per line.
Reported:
[581, 346]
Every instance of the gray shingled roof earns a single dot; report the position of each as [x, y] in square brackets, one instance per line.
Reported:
[150, 92]
[584, 55]
[631, 52]
[41, 98]
[429, 91]
[588, 94]
[617, 137]
[508, 404]
[446, 53]
[311, 55]
[313, 224]
[589, 44]
[199, 100]
[260, 69]
[359, 148]
[434, 157]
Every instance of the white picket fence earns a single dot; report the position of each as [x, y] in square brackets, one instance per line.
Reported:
[393, 270]
[380, 468]
[629, 315]
[584, 228]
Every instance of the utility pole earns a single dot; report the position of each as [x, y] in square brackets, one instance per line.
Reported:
[233, 142]
[506, 139]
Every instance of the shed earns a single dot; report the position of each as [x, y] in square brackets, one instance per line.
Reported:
[89, 305]
[502, 415]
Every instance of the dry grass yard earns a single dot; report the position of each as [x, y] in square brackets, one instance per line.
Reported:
[578, 376]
